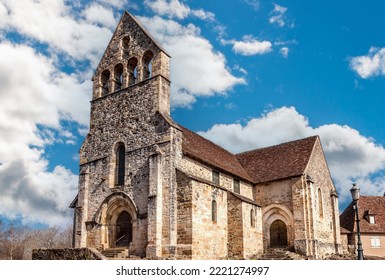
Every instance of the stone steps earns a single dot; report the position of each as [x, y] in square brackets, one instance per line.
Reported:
[279, 254]
[115, 253]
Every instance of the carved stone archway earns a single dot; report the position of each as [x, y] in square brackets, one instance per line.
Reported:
[272, 228]
[118, 219]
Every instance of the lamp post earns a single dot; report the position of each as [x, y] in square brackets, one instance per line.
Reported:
[355, 196]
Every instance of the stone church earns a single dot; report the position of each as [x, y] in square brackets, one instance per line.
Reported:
[154, 187]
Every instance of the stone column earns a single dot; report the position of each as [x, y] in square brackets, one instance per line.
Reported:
[155, 205]
[82, 208]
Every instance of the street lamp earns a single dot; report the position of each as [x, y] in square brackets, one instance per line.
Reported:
[355, 196]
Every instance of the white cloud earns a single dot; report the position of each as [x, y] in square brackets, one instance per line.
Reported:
[54, 23]
[278, 15]
[35, 97]
[170, 8]
[370, 65]
[351, 156]
[250, 46]
[100, 15]
[203, 15]
[176, 9]
[118, 3]
[207, 71]
[284, 51]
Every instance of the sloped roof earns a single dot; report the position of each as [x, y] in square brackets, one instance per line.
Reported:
[261, 165]
[206, 151]
[366, 204]
[278, 162]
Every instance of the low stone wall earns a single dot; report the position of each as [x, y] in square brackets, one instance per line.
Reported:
[67, 254]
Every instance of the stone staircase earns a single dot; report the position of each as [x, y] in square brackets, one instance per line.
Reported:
[279, 254]
[115, 253]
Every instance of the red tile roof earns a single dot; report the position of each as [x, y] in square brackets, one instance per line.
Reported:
[366, 204]
[206, 151]
[261, 165]
[278, 162]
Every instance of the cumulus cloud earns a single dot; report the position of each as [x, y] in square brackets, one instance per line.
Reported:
[54, 23]
[170, 8]
[351, 156]
[207, 69]
[100, 15]
[278, 15]
[34, 195]
[370, 65]
[118, 3]
[177, 9]
[35, 98]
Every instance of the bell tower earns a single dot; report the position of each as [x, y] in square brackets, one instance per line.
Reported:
[125, 169]
[131, 58]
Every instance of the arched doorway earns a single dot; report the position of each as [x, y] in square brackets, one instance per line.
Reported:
[278, 234]
[123, 230]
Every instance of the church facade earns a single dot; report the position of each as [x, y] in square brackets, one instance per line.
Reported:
[150, 185]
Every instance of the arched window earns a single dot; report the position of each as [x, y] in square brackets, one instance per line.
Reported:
[320, 206]
[147, 65]
[118, 76]
[120, 165]
[214, 211]
[126, 42]
[104, 80]
[252, 218]
[132, 71]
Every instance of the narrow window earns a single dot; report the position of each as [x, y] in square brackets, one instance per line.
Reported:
[215, 177]
[214, 211]
[371, 219]
[147, 65]
[126, 43]
[118, 76]
[132, 68]
[320, 206]
[236, 186]
[120, 165]
[375, 242]
[252, 218]
[104, 81]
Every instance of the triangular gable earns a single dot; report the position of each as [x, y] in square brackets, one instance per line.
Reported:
[128, 25]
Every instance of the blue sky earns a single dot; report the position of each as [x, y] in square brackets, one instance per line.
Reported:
[245, 74]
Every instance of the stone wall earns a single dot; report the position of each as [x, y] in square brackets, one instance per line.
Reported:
[226, 181]
[209, 237]
[252, 233]
[184, 216]
[235, 228]
[323, 201]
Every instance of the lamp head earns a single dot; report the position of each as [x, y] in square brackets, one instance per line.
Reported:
[355, 191]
